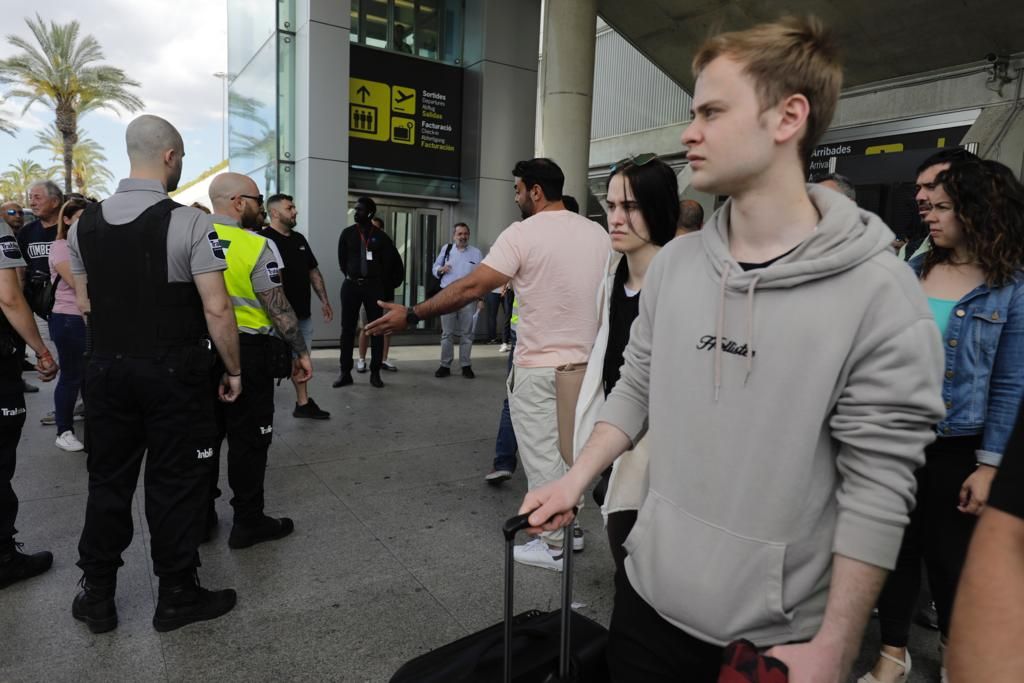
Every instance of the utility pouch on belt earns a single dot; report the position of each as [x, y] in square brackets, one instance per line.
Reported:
[279, 357]
[198, 361]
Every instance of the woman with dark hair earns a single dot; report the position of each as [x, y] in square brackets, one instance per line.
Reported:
[67, 328]
[643, 209]
[975, 288]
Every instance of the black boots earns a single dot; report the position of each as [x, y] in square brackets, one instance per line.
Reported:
[94, 605]
[375, 379]
[344, 379]
[184, 602]
[267, 529]
[17, 566]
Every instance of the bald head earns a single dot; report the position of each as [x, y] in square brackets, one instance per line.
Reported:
[691, 217]
[237, 196]
[155, 150]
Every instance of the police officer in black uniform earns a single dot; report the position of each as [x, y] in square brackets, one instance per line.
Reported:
[15, 319]
[148, 274]
[372, 268]
[261, 307]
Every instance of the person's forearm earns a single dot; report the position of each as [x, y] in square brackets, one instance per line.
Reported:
[853, 591]
[450, 299]
[606, 443]
[988, 617]
[20, 316]
[317, 280]
[283, 317]
[220, 321]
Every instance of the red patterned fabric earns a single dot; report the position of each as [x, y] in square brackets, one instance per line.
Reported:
[742, 663]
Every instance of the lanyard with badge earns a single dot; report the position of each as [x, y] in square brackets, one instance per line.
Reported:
[366, 242]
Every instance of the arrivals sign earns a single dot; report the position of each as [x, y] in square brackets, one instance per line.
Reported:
[404, 114]
[886, 144]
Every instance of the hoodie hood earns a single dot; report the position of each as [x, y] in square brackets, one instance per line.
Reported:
[846, 237]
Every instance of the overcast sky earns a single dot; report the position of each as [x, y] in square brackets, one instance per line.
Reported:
[171, 47]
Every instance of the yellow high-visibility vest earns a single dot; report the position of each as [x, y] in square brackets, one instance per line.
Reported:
[242, 250]
[514, 320]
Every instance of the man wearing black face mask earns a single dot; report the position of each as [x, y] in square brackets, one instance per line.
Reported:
[372, 268]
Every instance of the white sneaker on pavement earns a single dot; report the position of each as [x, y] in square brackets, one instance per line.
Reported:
[577, 537]
[68, 442]
[503, 348]
[360, 365]
[537, 553]
[389, 366]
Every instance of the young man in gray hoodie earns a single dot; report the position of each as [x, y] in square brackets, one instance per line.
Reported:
[786, 371]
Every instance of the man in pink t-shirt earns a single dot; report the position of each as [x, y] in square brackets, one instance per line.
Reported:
[556, 260]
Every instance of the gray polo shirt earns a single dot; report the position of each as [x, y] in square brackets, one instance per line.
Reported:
[10, 252]
[192, 244]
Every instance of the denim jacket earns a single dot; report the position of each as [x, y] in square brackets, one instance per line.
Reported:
[984, 373]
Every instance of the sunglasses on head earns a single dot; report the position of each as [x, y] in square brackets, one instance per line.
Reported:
[635, 160]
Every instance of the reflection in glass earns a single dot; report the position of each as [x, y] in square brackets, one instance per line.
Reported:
[249, 25]
[427, 28]
[403, 31]
[252, 113]
[286, 96]
[375, 17]
[353, 34]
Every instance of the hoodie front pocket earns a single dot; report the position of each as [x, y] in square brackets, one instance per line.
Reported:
[705, 578]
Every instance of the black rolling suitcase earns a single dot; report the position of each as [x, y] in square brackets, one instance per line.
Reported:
[543, 647]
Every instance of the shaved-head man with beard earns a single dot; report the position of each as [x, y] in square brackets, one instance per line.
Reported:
[149, 276]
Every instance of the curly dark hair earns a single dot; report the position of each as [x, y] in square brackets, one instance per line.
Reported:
[989, 202]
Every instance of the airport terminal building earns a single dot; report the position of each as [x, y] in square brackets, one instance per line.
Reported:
[426, 105]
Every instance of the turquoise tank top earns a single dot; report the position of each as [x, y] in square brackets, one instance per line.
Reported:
[941, 310]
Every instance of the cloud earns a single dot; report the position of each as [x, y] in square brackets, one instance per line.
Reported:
[171, 48]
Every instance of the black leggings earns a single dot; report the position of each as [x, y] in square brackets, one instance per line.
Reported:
[938, 533]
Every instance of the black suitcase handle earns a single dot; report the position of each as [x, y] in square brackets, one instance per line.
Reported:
[509, 530]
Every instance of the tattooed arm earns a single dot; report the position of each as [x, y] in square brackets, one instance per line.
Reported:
[283, 317]
[317, 281]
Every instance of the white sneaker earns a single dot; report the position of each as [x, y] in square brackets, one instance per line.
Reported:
[68, 442]
[537, 553]
[389, 366]
[503, 348]
[360, 365]
[577, 537]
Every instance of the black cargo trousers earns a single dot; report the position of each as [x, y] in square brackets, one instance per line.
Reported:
[12, 419]
[161, 406]
[248, 424]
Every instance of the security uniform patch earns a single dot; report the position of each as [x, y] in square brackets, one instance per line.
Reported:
[215, 246]
[273, 272]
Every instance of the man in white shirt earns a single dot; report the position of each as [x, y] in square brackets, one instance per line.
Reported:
[455, 261]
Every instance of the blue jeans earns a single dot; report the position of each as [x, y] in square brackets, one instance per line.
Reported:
[68, 334]
[505, 446]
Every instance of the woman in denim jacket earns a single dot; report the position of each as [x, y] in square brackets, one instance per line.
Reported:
[975, 287]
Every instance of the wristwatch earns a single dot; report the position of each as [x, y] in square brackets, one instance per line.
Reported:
[410, 316]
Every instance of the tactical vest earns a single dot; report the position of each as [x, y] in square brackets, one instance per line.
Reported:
[135, 310]
[243, 250]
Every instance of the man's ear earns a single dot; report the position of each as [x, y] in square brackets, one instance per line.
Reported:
[792, 114]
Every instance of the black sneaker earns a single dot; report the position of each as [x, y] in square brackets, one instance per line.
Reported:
[188, 603]
[17, 566]
[310, 411]
[268, 529]
[375, 379]
[94, 605]
[344, 379]
[467, 372]
[443, 372]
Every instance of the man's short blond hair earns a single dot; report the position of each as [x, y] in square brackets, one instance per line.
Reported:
[795, 55]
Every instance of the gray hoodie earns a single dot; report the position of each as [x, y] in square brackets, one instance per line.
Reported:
[785, 411]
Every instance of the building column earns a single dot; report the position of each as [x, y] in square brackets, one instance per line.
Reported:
[321, 142]
[567, 72]
[499, 110]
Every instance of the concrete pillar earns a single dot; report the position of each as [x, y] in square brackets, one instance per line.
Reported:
[321, 144]
[569, 34]
[499, 110]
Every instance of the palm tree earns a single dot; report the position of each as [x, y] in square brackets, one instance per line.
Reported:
[87, 159]
[22, 173]
[64, 71]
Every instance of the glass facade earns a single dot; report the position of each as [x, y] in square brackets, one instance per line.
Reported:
[261, 92]
[431, 29]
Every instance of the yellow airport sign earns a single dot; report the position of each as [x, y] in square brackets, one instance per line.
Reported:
[369, 109]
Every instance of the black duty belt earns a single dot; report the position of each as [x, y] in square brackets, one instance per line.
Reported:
[363, 280]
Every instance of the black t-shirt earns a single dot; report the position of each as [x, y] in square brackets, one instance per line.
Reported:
[1008, 488]
[624, 310]
[298, 261]
[35, 242]
[756, 266]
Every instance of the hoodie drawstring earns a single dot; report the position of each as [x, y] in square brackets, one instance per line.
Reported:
[750, 326]
[720, 330]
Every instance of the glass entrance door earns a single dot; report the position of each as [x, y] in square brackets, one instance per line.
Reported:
[419, 233]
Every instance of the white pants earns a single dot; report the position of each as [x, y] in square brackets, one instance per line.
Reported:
[531, 402]
[457, 324]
